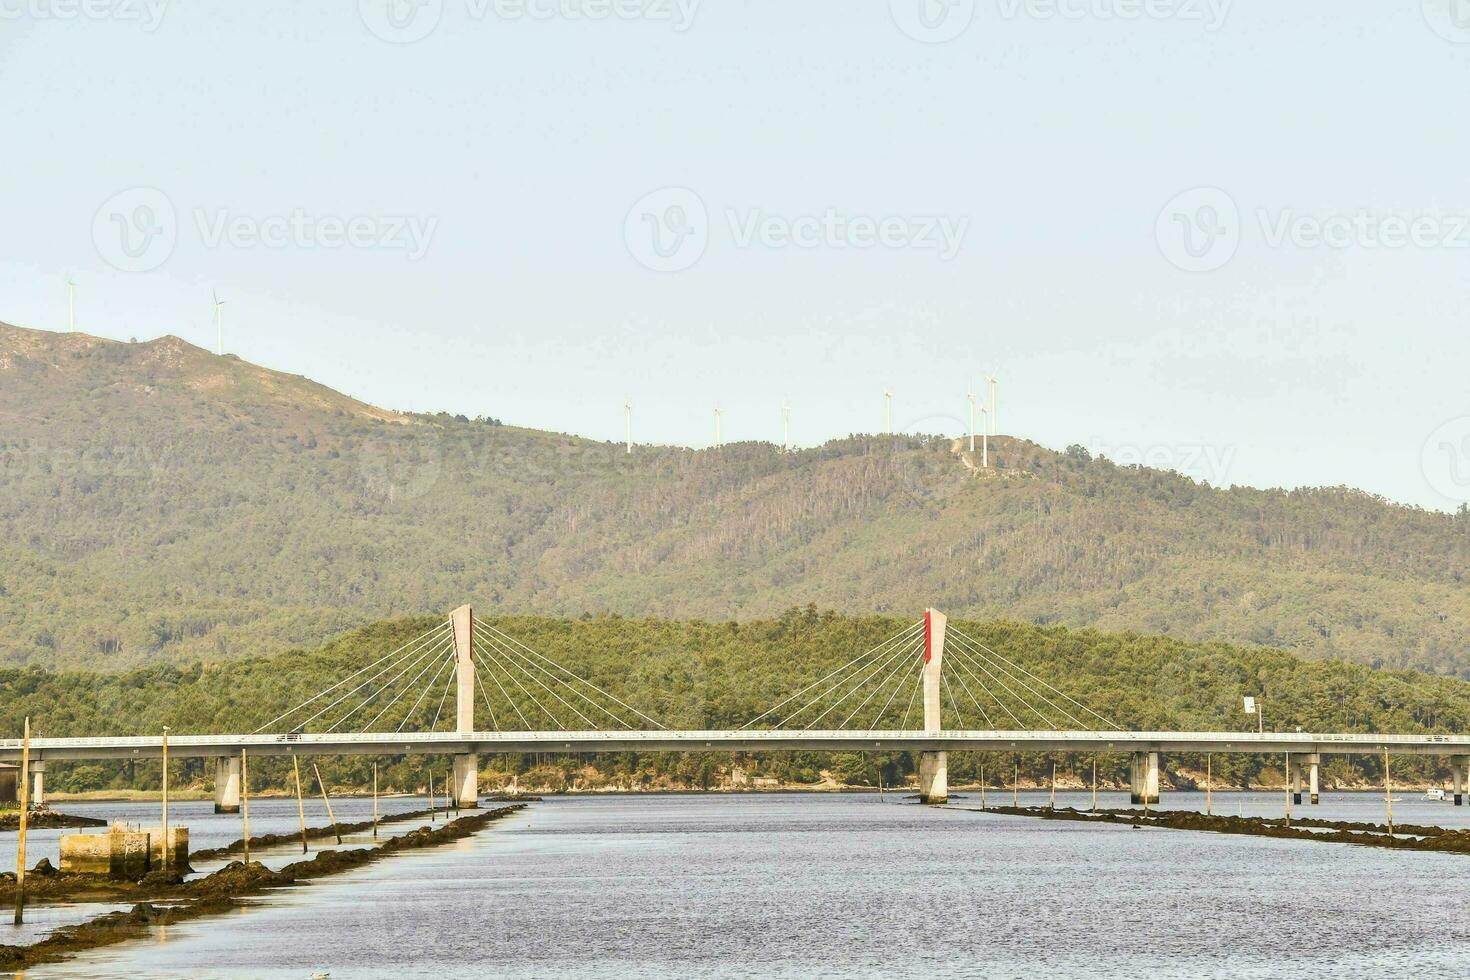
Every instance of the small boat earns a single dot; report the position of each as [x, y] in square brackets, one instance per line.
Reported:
[1434, 793]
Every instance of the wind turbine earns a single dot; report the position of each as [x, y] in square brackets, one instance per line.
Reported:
[628, 424]
[994, 394]
[71, 305]
[719, 439]
[219, 328]
[887, 412]
[786, 426]
[971, 396]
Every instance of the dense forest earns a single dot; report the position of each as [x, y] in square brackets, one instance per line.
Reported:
[162, 504]
[694, 674]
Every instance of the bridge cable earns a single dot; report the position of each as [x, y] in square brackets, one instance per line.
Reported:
[495, 725]
[322, 693]
[964, 662]
[864, 656]
[897, 668]
[1079, 704]
[443, 645]
[424, 693]
[1020, 678]
[976, 701]
[896, 688]
[576, 677]
[524, 666]
[447, 654]
[903, 725]
[959, 662]
[514, 707]
[509, 653]
[448, 684]
[862, 681]
[493, 656]
[953, 702]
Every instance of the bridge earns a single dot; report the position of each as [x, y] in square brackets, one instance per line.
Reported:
[477, 657]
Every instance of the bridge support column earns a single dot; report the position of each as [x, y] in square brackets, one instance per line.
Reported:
[467, 780]
[933, 766]
[1460, 775]
[467, 764]
[1144, 777]
[227, 784]
[38, 783]
[1294, 779]
[1312, 761]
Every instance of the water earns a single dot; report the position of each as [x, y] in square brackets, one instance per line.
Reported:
[844, 885]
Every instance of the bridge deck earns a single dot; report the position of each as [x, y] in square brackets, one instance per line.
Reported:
[389, 743]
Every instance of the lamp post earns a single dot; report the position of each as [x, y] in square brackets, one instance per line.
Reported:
[164, 819]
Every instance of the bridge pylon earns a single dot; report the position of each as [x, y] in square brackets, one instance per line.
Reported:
[466, 787]
[933, 766]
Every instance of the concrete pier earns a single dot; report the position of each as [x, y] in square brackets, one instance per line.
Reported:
[227, 784]
[1312, 761]
[933, 766]
[120, 853]
[1144, 778]
[38, 782]
[1294, 779]
[1460, 776]
[466, 787]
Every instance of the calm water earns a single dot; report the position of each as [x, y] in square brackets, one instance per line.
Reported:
[813, 885]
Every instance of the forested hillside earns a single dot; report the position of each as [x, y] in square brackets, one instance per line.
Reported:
[159, 503]
[721, 675]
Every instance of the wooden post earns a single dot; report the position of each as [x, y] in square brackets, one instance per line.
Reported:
[1094, 784]
[1288, 789]
[300, 807]
[245, 802]
[431, 796]
[1209, 758]
[1387, 792]
[164, 819]
[24, 798]
[375, 799]
[982, 785]
[323, 787]
[1016, 784]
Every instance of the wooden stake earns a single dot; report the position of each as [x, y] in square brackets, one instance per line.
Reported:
[164, 818]
[245, 802]
[431, 796]
[24, 798]
[982, 786]
[1387, 792]
[375, 799]
[1016, 785]
[300, 806]
[1288, 789]
[323, 787]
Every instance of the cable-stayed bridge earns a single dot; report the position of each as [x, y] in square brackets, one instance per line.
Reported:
[435, 693]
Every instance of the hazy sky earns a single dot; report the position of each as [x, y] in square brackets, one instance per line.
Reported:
[1224, 237]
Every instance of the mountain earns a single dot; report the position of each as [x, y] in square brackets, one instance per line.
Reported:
[158, 502]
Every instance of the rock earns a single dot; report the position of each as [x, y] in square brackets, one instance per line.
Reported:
[44, 869]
